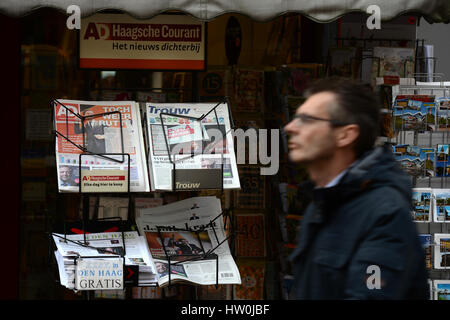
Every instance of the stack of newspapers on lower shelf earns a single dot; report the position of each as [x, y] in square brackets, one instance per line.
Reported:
[100, 246]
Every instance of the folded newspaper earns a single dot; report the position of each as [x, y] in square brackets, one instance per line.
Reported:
[101, 245]
[189, 143]
[117, 131]
[188, 243]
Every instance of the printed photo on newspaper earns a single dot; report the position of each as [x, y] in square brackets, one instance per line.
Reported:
[187, 242]
[177, 138]
[116, 131]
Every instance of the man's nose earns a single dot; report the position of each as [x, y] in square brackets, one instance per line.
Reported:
[289, 127]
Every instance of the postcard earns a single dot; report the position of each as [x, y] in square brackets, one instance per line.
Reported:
[421, 199]
[442, 250]
[411, 113]
[441, 289]
[427, 244]
[442, 161]
[416, 161]
[443, 108]
[441, 208]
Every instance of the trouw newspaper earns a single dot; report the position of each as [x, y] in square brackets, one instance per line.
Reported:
[99, 135]
[184, 232]
[178, 140]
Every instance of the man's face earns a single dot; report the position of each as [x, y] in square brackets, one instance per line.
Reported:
[160, 268]
[64, 173]
[312, 140]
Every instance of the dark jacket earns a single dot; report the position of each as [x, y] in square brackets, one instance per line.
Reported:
[363, 221]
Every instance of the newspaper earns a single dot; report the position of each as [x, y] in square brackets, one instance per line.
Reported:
[189, 143]
[102, 134]
[101, 245]
[190, 233]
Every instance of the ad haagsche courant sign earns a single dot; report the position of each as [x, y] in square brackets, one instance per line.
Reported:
[118, 41]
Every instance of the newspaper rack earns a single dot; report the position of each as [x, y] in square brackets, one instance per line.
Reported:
[114, 157]
[204, 255]
[210, 178]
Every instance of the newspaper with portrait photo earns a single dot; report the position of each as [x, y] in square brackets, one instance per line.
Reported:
[95, 128]
[187, 242]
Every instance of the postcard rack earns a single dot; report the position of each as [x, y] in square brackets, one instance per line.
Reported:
[422, 136]
[208, 178]
[431, 139]
[175, 260]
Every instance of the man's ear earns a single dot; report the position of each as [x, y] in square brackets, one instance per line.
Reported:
[347, 135]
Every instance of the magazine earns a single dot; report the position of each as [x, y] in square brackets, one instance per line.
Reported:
[250, 235]
[248, 90]
[441, 205]
[252, 195]
[253, 274]
[442, 250]
[187, 242]
[214, 84]
[99, 135]
[101, 245]
[421, 198]
[188, 143]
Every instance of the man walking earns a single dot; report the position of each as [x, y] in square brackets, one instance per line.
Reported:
[357, 239]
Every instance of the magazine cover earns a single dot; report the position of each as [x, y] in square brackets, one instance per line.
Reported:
[442, 250]
[250, 235]
[248, 90]
[188, 143]
[441, 205]
[427, 243]
[442, 161]
[214, 84]
[99, 135]
[252, 194]
[441, 289]
[421, 198]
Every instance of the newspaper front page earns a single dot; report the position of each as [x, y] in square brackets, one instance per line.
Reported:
[101, 245]
[189, 143]
[185, 232]
[99, 135]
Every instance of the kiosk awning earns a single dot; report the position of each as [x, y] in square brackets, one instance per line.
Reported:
[261, 10]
